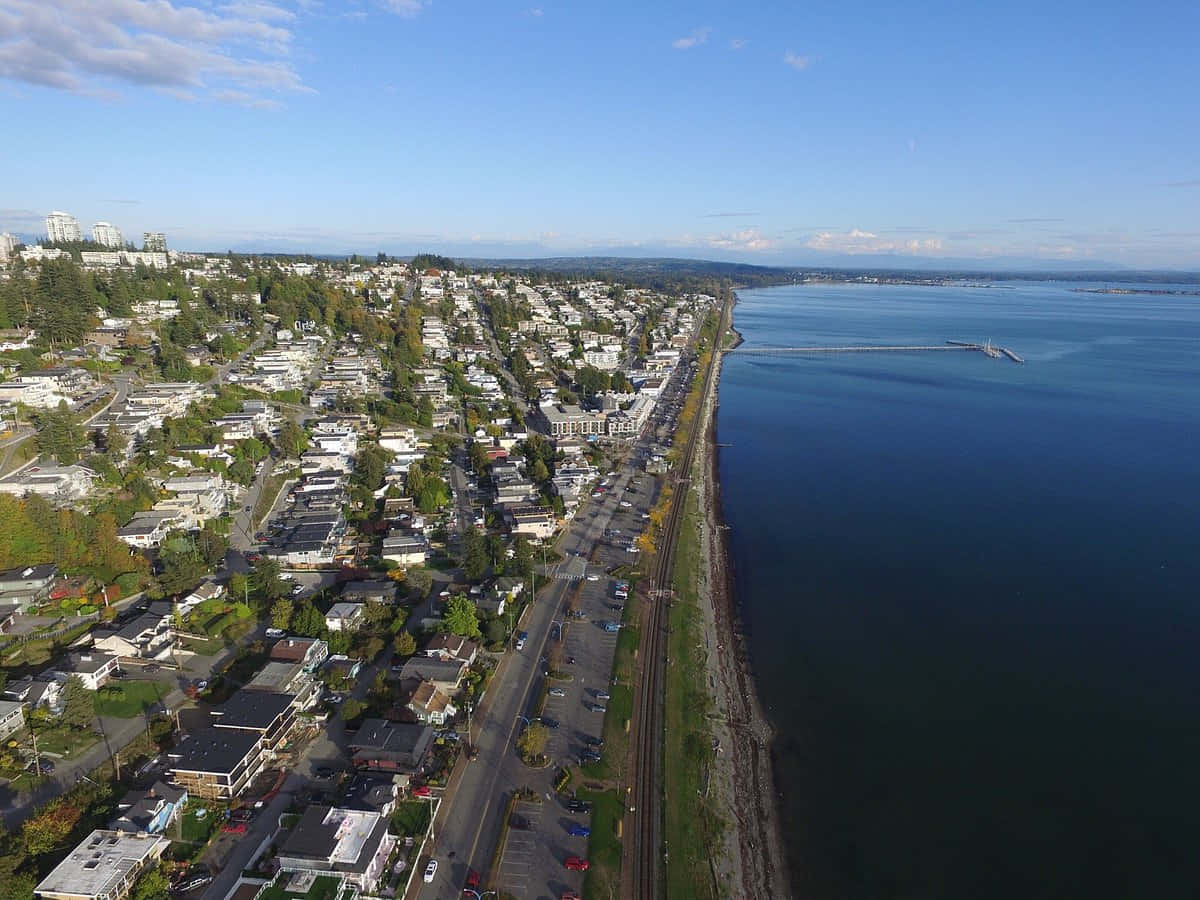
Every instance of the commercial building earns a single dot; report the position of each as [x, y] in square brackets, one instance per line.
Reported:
[104, 866]
[62, 227]
[107, 234]
[216, 763]
[154, 242]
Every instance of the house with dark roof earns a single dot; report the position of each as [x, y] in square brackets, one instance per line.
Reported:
[352, 843]
[311, 653]
[446, 674]
[148, 636]
[451, 647]
[371, 794]
[151, 811]
[390, 747]
[378, 591]
[270, 715]
[216, 763]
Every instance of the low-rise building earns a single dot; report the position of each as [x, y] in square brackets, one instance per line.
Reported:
[149, 636]
[151, 811]
[216, 763]
[269, 714]
[430, 704]
[310, 653]
[93, 667]
[452, 646]
[393, 747]
[104, 866]
[344, 616]
[58, 484]
[354, 844]
[12, 717]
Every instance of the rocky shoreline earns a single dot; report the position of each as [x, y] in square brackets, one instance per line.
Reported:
[752, 863]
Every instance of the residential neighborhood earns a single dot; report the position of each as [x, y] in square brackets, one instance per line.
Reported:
[276, 530]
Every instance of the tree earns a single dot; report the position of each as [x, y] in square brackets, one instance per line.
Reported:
[61, 435]
[239, 586]
[475, 556]
[79, 704]
[532, 742]
[115, 444]
[292, 440]
[281, 613]
[352, 709]
[370, 649]
[459, 617]
[241, 471]
[153, 885]
[404, 644]
[522, 560]
[307, 620]
[265, 579]
[419, 580]
[592, 381]
[49, 828]
[539, 472]
[376, 616]
[182, 563]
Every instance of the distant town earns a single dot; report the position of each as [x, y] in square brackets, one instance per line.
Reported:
[316, 575]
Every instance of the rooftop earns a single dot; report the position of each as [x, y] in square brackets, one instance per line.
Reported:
[254, 710]
[213, 750]
[100, 863]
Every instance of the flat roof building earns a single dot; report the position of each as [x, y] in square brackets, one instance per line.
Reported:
[104, 866]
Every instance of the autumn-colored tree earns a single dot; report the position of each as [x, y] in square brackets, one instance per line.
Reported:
[48, 829]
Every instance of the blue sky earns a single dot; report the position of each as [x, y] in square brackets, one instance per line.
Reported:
[762, 132]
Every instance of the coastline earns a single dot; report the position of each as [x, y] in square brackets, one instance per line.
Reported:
[753, 862]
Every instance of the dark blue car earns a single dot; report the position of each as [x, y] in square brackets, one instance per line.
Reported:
[577, 830]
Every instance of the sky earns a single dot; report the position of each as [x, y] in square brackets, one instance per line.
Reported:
[762, 132]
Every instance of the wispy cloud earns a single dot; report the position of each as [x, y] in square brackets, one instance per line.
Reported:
[1191, 183]
[751, 239]
[797, 62]
[728, 215]
[1035, 220]
[96, 47]
[738, 43]
[534, 12]
[695, 39]
[406, 8]
[21, 220]
[857, 241]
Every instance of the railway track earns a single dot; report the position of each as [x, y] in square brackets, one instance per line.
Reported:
[647, 840]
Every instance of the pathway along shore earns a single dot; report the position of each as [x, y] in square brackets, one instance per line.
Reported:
[753, 862]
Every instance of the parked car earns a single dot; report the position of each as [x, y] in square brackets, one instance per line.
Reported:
[594, 741]
[597, 707]
[576, 863]
[431, 871]
[557, 692]
[548, 722]
[581, 806]
[234, 828]
[275, 632]
[577, 830]
[520, 823]
[603, 695]
[422, 791]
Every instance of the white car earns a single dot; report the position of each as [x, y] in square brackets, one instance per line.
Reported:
[431, 871]
[557, 692]
[626, 503]
[593, 577]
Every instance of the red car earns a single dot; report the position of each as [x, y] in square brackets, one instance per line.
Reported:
[570, 895]
[472, 880]
[422, 791]
[576, 863]
[235, 828]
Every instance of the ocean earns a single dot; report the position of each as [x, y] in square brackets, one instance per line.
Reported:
[972, 588]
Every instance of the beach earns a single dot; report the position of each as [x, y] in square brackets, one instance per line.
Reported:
[752, 862]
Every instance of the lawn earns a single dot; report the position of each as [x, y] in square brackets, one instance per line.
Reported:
[40, 651]
[411, 818]
[209, 647]
[197, 829]
[59, 740]
[616, 738]
[127, 699]
[604, 847]
[324, 887]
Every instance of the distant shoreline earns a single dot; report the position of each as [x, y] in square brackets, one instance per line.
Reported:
[1156, 292]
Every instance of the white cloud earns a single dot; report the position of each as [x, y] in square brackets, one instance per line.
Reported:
[534, 12]
[856, 241]
[749, 239]
[800, 63]
[228, 54]
[695, 39]
[738, 43]
[406, 8]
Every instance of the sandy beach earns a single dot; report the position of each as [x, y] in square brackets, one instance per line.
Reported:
[752, 863]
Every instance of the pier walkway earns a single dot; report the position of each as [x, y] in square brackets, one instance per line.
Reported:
[986, 348]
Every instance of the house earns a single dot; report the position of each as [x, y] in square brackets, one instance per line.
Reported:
[370, 591]
[344, 616]
[216, 763]
[446, 674]
[287, 678]
[28, 585]
[269, 714]
[405, 549]
[354, 844]
[371, 794]
[12, 718]
[148, 636]
[151, 811]
[383, 746]
[452, 646]
[59, 484]
[430, 704]
[104, 866]
[345, 666]
[93, 668]
[209, 590]
[311, 653]
[535, 521]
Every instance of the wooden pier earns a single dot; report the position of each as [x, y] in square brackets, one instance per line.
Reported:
[985, 348]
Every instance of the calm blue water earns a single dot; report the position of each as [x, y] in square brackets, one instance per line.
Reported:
[973, 588]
